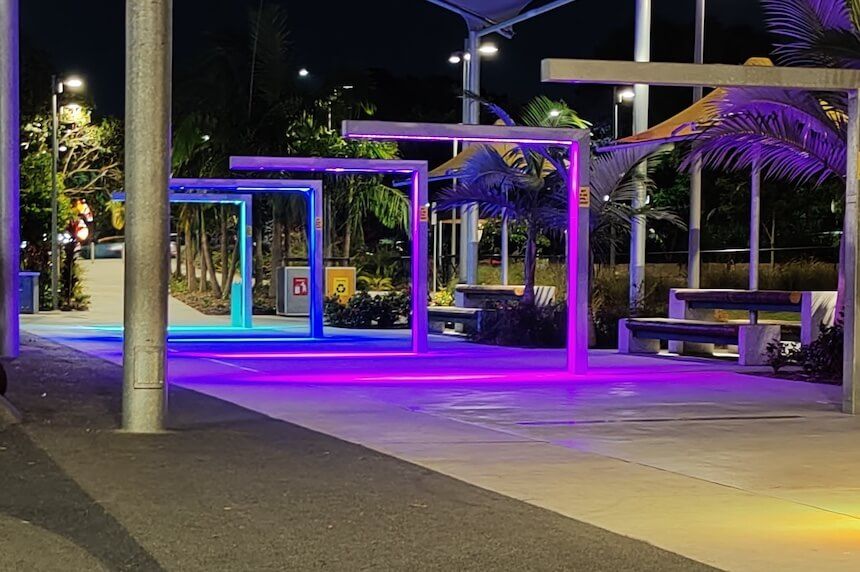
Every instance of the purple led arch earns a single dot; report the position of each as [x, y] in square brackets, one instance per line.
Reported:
[578, 193]
[419, 213]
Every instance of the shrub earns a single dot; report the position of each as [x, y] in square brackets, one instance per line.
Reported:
[442, 298]
[366, 311]
[821, 360]
[521, 325]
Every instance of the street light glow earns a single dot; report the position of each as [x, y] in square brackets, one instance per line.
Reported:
[455, 59]
[74, 82]
[626, 94]
[554, 113]
[304, 72]
[489, 49]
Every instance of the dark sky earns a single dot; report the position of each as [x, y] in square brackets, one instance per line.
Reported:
[403, 36]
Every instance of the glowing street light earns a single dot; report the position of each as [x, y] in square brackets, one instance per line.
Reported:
[58, 86]
[304, 72]
[488, 49]
[554, 113]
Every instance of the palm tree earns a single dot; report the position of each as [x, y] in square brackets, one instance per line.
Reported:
[792, 135]
[528, 184]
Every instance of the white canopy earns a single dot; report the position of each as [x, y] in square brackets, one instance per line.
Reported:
[482, 10]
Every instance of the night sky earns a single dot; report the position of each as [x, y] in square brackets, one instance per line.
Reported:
[404, 37]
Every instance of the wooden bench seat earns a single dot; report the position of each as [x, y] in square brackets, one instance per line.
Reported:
[643, 335]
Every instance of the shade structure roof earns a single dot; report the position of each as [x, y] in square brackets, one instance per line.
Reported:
[687, 123]
[495, 10]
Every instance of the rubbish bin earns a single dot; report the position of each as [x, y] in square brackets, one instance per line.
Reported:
[293, 297]
[29, 292]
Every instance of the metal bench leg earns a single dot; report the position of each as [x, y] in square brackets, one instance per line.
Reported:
[630, 344]
[753, 341]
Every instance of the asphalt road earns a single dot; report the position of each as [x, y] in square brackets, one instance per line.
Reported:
[230, 489]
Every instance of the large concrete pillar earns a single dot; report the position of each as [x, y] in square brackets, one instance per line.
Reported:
[10, 238]
[851, 352]
[147, 170]
[638, 230]
[694, 241]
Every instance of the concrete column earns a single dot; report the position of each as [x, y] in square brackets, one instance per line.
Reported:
[147, 169]
[246, 260]
[755, 224]
[10, 238]
[694, 241]
[851, 363]
[638, 230]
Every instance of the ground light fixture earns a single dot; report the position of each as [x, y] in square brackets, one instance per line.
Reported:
[577, 143]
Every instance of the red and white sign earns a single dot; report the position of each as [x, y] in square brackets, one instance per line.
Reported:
[300, 286]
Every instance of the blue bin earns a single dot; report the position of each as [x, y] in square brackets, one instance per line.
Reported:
[29, 292]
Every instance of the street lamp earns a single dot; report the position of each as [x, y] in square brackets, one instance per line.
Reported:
[620, 96]
[304, 72]
[58, 87]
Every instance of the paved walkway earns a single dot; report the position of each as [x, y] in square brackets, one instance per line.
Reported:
[700, 458]
[231, 489]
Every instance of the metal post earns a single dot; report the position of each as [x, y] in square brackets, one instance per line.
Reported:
[473, 118]
[147, 160]
[10, 240]
[505, 249]
[694, 240]
[56, 89]
[420, 219]
[463, 267]
[246, 261]
[434, 219]
[851, 352]
[638, 230]
[577, 247]
[315, 260]
[755, 223]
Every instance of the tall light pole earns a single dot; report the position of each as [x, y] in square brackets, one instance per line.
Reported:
[619, 97]
[147, 159]
[694, 242]
[58, 86]
[638, 229]
[10, 240]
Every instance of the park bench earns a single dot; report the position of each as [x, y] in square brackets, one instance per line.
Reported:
[692, 328]
[471, 303]
[643, 335]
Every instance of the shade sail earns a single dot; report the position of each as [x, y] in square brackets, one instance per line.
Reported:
[687, 123]
[495, 10]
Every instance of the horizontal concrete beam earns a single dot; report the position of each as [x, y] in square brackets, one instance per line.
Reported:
[325, 164]
[459, 132]
[694, 75]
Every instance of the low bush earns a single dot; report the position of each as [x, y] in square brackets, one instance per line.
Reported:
[821, 360]
[521, 325]
[364, 311]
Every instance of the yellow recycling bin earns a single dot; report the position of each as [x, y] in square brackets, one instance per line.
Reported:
[340, 282]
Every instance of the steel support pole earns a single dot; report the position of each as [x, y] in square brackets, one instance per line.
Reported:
[577, 250]
[315, 260]
[473, 119]
[55, 192]
[246, 261]
[755, 224]
[851, 352]
[638, 230]
[694, 241]
[147, 170]
[420, 219]
[10, 240]
[463, 267]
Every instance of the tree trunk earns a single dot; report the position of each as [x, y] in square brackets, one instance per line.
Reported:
[227, 283]
[206, 255]
[277, 251]
[190, 273]
[328, 225]
[347, 240]
[177, 271]
[530, 265]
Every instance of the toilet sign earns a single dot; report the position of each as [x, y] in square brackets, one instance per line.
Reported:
[300, 286]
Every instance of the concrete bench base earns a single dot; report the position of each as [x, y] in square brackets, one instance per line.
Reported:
[465, 320]
[643, 337]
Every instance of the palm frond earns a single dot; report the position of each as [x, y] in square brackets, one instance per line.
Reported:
[815, 32]
[544, 112]
[785, 147]
[487, 168]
